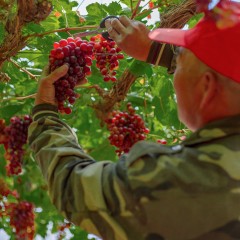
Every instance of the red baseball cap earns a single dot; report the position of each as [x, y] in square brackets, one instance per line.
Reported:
[219, 48]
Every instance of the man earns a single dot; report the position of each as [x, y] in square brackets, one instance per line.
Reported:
[186, 192]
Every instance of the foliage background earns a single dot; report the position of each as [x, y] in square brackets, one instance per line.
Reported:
[152, 96]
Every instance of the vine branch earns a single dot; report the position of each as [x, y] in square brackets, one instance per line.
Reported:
[136, 9]
[27, 11]
[22, 69]
[19, 98]
[60, 30]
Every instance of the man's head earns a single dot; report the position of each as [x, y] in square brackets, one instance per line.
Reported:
[207, 77]
[203, 94]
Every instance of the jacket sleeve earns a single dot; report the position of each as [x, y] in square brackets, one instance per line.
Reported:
[145, 195]
[75, 180]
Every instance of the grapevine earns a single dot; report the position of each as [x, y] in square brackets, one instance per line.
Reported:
[126, 128]
[16, 134]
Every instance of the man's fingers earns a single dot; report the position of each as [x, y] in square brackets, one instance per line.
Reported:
[108, 24]
[45, 71]
[111, 31]
[56, 74]
[125, 21]
[118, 26]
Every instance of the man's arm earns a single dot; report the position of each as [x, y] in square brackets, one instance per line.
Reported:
[103, 198]
[145, 195]
[132, 37]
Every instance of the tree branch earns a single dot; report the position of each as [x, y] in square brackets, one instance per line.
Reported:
[19, 98]
[22, 69]
[27, 11]
[60, 30]
[136, 9]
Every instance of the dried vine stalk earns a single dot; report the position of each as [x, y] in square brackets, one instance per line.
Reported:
[27, 11]
[176, 17]
[4, 77]
[114, 96]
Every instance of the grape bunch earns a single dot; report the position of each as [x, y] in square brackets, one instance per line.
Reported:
[77, 54]
[126, 128]
[107, 55]
[16, 134]
[22, 219]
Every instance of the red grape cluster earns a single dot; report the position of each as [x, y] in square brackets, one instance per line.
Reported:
[22, 219]
[107, 55]
[126, 128]
[77, 54]
[16, 134]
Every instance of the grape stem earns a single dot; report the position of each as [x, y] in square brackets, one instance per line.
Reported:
[61, 30]
[22, 69]
[99, 90]
[136, 9]
[19, 98]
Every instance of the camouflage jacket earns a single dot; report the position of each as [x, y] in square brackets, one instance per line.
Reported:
[186, 192]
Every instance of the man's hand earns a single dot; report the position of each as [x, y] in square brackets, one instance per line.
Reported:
[131, 36]
[46, 89]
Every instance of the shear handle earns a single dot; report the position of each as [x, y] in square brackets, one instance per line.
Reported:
[105, 34]
[102, 23]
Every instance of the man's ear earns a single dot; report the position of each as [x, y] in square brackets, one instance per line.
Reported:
[209, 88]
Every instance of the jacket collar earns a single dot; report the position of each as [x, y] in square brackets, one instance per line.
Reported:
[214, 130]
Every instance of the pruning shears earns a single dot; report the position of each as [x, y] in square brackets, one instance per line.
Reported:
[100, 30]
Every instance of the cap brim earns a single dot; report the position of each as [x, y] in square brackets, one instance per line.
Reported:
[169, 35]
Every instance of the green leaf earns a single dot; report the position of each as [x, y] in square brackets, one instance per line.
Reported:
[138, 100]
[96, 10]
[10, 110]
[104, 151]
[139, 68]
[126, 2]
[158, 110]
[114, 8]
[33, 27]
